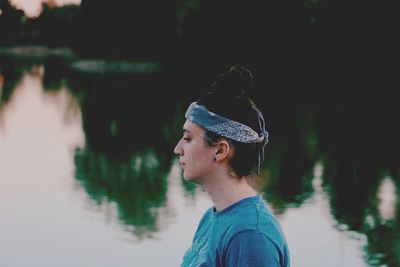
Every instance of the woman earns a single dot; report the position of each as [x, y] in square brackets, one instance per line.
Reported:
[222, 145]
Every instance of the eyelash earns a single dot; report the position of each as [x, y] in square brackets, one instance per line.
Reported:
[187, 139]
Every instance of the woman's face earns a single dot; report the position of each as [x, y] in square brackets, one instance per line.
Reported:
[195, 156]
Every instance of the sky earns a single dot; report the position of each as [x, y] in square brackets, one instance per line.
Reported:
[32, 8]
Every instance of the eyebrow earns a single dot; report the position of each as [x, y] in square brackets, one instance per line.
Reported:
[185, 130]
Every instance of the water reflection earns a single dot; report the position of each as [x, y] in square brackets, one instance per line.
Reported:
[356, 196]
[34, 109]
[45, 163]
[128, 154]
[311, 227]
[37, 144]
[12, 73]
[125, 113]
[289, 164]
[387, 199]
[137, 185]
[108, 139]
[381, 224]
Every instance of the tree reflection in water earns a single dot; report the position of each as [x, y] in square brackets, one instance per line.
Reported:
[357, 147]
[137, 185]
[12, 73]
[128, 155]
[130, 135]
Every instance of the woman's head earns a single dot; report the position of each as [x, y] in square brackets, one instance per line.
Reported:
[227, 115]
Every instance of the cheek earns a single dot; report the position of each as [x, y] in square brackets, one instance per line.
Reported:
[197, 165]
[202, 156]
[197, 152]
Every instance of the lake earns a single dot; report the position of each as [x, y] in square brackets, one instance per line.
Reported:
[88, 176]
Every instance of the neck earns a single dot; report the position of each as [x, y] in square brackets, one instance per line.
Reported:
[227, 190]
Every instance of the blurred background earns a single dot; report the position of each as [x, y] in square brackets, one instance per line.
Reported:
[92, 101]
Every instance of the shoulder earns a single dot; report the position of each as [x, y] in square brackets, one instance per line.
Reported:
[254, 223]
[254, 248]
[254, 216]
[269, 225]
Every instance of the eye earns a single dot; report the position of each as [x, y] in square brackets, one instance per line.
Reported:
[187, 139]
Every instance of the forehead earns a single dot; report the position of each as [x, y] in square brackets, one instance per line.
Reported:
[192, 127]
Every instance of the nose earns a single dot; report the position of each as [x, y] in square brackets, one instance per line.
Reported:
[178, 149]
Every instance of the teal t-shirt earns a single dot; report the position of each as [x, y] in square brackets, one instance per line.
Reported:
[244, 234]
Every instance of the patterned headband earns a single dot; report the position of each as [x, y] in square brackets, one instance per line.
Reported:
[225, 127]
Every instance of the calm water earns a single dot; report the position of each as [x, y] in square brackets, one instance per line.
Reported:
[88, 178]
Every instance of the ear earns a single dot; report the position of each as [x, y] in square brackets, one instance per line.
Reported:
[223, 152]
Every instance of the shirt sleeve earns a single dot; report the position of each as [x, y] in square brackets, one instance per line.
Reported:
[251, 248]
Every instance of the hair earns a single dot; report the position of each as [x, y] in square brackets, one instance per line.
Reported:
[227, 98]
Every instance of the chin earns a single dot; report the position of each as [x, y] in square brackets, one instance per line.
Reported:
[188, 178]
[191, 179]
